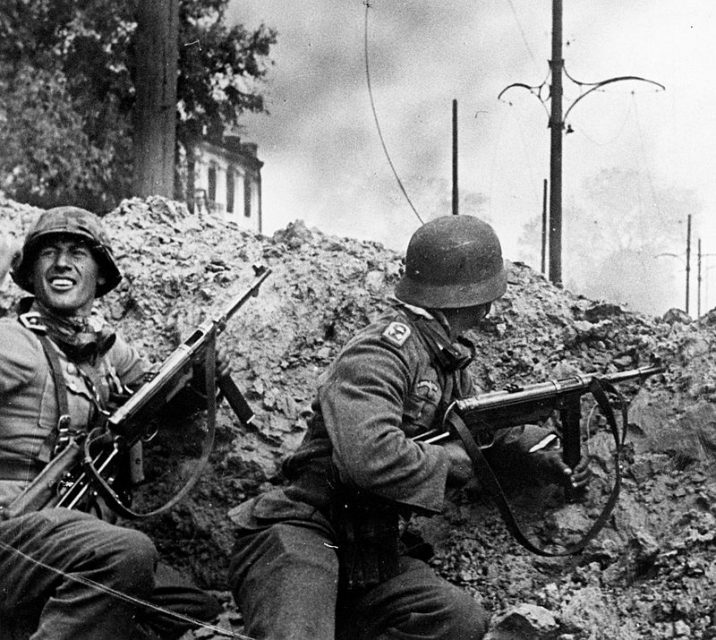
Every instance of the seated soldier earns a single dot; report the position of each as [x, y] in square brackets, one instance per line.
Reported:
[65, 574]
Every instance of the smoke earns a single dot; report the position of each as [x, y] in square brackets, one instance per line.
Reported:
[324, 162]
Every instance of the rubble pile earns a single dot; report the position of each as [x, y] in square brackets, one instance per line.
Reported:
[649, 574]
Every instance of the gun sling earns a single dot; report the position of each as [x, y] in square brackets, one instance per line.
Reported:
[486, 475]
[104, 489]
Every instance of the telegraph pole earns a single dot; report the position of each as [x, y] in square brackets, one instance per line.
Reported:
[698, 280]
[556, 65]
[557, 121]
[699, 271]
[455, 193]
[688, 260]
[543, 261]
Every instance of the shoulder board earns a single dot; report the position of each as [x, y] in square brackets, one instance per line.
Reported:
[33, 321]
[396, 333]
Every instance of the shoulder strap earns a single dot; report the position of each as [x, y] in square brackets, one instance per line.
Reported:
[60, 434]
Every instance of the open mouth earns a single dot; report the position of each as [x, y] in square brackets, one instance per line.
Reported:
[61, 284]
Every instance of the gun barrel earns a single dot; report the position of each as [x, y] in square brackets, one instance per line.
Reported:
[262, 272]
[545, 390]
[177, 366]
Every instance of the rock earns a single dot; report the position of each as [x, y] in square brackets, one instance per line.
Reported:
[656, 548]
[673, 316]
[523, 622]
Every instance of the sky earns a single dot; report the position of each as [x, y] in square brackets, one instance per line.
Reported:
[325, 163]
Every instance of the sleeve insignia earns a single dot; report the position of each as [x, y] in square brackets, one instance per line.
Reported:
[430, 387]
[397, 333]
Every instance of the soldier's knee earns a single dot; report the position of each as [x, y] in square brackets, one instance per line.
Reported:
[134, 560]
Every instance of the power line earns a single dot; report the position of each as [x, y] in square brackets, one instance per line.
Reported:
[521, 30]
[375, 113]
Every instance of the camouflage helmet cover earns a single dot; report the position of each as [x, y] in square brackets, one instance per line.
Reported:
[67, 221]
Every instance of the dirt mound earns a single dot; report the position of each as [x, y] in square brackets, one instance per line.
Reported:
[649, 574]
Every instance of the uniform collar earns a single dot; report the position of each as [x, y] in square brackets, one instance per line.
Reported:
[451, 355]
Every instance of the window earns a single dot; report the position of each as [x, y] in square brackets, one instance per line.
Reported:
[212, 184]
[247, 195]
[230, 190]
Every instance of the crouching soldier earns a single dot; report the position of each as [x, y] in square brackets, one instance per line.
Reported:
[323, 558]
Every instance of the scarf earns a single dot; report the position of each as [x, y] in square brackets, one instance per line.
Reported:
[81, 338]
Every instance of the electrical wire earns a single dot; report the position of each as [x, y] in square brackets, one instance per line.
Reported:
[522, 32]
[375, 113]
[649, 177]
[615, 137]
[119, 595]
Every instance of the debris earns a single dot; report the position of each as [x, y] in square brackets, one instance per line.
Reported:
[628, 584]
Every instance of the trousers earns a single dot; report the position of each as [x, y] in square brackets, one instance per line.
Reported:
[67, 575]
[284, 579]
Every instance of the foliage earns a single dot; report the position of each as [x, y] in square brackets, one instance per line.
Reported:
[66, 76]
[220, 70]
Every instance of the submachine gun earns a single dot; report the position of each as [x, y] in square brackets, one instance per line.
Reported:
[86, 465]
[476, 420]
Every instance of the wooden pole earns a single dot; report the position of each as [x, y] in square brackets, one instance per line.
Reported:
[455, 191]
[154, 136]
[688, 260]
[555, 158]
[543, 261]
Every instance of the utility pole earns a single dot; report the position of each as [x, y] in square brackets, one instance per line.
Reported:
[688, 260]
[155, 107]
[698, 280]
[544, 227]
[557, 120]
[556, 124]
[455, 192]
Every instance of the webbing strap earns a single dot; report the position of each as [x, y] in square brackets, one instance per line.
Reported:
[60, 434]
[487, 476]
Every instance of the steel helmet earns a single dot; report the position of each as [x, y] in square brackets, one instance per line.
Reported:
[67, 221]
[453, 262]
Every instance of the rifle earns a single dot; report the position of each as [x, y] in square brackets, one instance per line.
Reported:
[86, 465]
[476, 420]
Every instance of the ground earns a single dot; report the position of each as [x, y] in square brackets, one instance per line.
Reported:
[650, 573]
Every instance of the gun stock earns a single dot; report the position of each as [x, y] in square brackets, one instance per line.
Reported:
[42, 491]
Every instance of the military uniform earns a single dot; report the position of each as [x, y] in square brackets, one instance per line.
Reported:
[391, 382]
[70, 541]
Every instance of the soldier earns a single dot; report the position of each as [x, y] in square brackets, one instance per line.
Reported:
[323, 558]
[66, 574]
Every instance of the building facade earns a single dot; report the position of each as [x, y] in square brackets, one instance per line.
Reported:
[227, 182]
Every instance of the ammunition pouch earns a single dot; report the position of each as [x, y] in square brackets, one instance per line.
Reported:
[367, 537]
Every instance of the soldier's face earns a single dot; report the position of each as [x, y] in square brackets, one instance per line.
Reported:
[65, 276]
[466, 318]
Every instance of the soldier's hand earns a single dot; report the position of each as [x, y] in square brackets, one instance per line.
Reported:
[460, 469]
[552, 469]
[223, 364]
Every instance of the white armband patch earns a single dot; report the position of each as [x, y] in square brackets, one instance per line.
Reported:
[397, 333]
